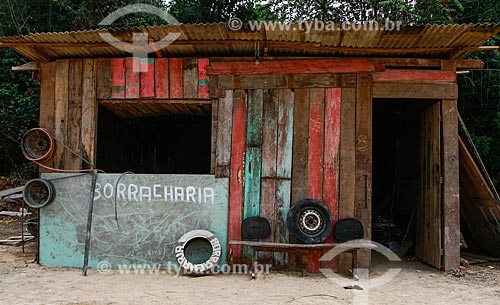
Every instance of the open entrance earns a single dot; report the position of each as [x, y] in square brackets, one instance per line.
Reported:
[154, 138]
[406, 177]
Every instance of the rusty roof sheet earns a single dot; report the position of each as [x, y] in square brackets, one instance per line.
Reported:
[429, 41]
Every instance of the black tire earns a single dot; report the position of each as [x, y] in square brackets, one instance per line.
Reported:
[202, 238]
[37, 193]
[309, 221]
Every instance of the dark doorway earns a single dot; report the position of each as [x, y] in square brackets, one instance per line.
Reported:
[157, 145]
[397, 172]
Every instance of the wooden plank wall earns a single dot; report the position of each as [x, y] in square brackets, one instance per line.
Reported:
[160, 78]
[68, 109]
[285, 147]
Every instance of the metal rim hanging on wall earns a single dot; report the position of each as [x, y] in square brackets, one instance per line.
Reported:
[37, 144]
[37, 193]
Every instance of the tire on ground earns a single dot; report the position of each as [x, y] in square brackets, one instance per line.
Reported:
[199, 236]
[309, 221]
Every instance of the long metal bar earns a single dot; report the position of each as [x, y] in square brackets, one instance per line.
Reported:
[89, 224]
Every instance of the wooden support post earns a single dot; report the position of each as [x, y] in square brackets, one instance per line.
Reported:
[89, 111]
[347, 165]
[61, 111]
[47, 101]
[363, 191]
[451, 202]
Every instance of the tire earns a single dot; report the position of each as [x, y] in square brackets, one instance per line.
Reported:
[37, 193]
[309, 221]
[192, 242]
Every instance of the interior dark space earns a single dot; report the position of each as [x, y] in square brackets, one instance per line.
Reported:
[156, 145]
[396, 172]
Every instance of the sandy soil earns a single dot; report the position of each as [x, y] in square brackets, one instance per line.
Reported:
[24, 282]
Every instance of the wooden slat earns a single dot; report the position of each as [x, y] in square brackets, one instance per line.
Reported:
[224, 128]
[332, 142]
[300, 144]
[132, 80]
[72, 161]
[363, 191]
[283, 169]
[253, 155]
[213, 87]
[213, 151]
[89, 112]
[451, 192]
[347, 165]
[285, 134]
[236, 182]
[61, 111]
[161, 78]
[300, 155]
[267, 209]
[315, 155]
[408, 76]
[104, 79]
[175, 78]
[415, 91]
[47, 101]
[147, 77]
[344, 65]
[190, 77]
[157, 101]
[270, 134]
[203, 86]
[118, 78]
[316, 143]
[429, 235]
[269, 152]
[283, 191]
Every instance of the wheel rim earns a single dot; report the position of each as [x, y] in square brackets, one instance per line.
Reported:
[311, 222]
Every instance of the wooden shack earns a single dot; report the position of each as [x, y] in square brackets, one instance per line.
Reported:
[283, 114]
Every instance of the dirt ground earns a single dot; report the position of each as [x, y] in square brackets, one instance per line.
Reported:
[24, 282]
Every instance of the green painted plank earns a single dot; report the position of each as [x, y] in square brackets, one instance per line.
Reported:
[254, 122]
[253, 166]
[283, 188]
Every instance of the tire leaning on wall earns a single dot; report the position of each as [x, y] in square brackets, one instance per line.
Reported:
[309, 221]
[198, 268]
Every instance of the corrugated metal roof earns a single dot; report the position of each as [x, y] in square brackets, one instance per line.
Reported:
[429, 41]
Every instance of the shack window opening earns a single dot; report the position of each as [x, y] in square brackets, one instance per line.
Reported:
[141, 139]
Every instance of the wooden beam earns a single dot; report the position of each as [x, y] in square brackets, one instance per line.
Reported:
[415, 91]
[419, 76]
[31, 66]
[345, 65]
[157, 101]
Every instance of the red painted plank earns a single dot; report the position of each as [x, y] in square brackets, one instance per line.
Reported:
[316, 129]
[176, 81]
[131, 77]
[203, 91]
[161, 77]
[315, 169]
[415, 76]
[332, 143]
[118, 78]
[236, 183]
[147, 81]
[344, 65]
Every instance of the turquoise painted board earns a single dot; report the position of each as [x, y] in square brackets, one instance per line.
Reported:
[253, 163]
[154, 211]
